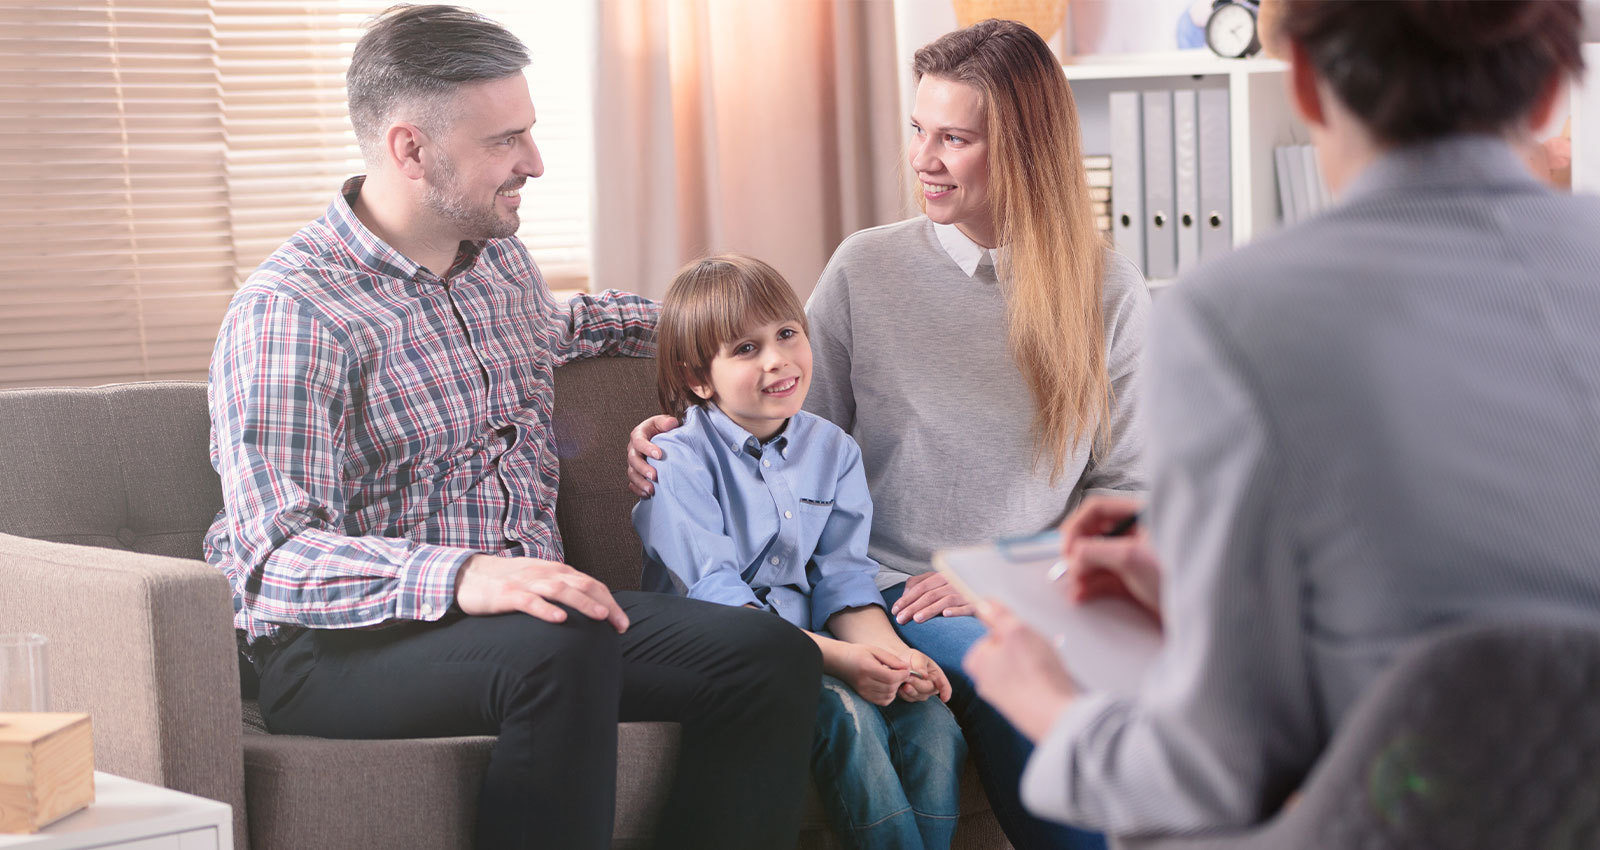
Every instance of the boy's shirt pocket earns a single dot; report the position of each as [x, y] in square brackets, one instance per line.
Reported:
[813, 518]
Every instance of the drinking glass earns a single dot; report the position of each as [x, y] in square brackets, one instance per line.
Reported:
[24, 680]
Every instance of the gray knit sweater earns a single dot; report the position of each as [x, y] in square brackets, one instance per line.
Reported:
[910, 358]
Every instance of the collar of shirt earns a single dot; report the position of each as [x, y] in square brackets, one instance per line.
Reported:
[739, 439]
[968, 254]
[380, 256]
[1465, 161]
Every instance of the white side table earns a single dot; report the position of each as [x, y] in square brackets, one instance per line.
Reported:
[129, 815]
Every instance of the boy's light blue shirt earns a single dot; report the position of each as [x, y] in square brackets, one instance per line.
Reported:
[782, 526]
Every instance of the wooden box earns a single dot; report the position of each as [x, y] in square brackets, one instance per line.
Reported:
[46, 768]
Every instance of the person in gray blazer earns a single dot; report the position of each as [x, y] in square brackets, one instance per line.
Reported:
[1362, 429]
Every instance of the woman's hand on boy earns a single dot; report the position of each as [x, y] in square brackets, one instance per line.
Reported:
[929, 595]
[641, 477]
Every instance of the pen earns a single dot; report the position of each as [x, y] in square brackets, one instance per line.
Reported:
[1123, 526]
[917, 673]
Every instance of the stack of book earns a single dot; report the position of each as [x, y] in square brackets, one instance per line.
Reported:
[1098, 167]
[1301, 192]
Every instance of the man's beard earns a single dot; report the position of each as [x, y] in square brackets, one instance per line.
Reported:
[441, 196]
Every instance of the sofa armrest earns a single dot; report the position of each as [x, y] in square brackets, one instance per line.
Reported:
[145, 645]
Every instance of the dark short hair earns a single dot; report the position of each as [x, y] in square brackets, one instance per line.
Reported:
[416, 56]
[710, 303]
[1413, 70]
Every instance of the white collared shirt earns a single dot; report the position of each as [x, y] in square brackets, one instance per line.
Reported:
[967, 253]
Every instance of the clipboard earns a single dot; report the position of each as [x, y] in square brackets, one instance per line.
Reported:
[1107, 645]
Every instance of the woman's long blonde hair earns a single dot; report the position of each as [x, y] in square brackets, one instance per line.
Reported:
[1044, 218]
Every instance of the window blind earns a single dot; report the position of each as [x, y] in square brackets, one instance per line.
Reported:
[115, 240]
[152, 153]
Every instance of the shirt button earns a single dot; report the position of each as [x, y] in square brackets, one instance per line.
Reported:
[427, 610]
[766, 463]
[775, 562]
[788, 515]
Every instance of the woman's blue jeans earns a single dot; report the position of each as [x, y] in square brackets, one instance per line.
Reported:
[889, 777]
[998, 749]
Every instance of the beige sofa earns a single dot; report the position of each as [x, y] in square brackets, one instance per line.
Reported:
[104, 496]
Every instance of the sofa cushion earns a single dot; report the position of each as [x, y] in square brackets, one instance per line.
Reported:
[124, 466]
[317, 792]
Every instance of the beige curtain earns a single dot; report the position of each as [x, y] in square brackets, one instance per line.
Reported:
[771, 128]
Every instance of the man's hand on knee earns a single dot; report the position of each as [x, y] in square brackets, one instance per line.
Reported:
[490, 585]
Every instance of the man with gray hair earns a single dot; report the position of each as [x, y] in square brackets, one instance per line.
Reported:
[380, 399]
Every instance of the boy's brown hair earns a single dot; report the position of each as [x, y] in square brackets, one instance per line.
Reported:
[710, 303]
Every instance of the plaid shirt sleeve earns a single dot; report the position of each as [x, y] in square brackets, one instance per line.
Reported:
[612, 323]
[278, 399]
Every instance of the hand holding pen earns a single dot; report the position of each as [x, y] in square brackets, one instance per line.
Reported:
[1058, 570]
[1104, 552]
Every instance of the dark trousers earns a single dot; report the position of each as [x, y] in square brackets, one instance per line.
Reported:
[743, 683]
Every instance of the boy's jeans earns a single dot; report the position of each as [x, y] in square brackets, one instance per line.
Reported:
[888, 777]
[999, 751]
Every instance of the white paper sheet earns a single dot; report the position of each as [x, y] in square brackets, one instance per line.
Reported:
[1106, 644]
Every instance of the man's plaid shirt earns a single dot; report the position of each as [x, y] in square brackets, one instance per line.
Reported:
[375, 425]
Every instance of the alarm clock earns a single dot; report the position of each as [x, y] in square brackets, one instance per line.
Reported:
[1231, 29]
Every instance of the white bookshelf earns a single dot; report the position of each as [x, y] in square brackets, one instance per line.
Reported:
[1182, 62]
[1259, 113]
[1262, 118]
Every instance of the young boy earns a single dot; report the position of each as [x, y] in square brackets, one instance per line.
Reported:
[760, 504]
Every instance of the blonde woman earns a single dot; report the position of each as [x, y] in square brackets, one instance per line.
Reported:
[983, 355]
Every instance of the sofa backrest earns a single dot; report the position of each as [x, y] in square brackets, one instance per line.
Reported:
[598, 401]
[122, 466]
[127, 466]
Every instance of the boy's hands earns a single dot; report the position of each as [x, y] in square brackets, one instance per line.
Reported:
[932, 682]
[641, 478]
[874, 672]
[490, 585]
[868, 654]
[880, 675]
